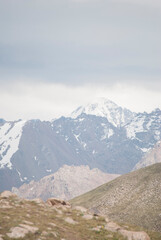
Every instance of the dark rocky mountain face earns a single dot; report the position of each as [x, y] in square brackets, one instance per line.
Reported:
[40, 152]
[99, 143]
[33, 149]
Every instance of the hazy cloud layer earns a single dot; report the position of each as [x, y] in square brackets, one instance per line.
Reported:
[75, 41]
[47, 101]
[92, 48]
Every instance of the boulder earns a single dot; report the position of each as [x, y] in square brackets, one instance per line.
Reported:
[131, 235]
[88, 216]
[58, 203]
[70, 220]
[1, 237]
[5, 204]
[81, 209]
[7, 194]
[112, 227]
[21, 230]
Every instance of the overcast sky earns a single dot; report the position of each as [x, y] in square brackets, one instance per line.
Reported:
[58, 54]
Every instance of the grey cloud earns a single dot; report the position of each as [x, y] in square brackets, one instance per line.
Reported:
[72, 42]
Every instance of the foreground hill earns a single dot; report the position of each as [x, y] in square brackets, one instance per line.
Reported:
[134, 198]
[68, 182]
[56, 219]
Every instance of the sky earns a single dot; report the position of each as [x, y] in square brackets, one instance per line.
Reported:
[56, 55]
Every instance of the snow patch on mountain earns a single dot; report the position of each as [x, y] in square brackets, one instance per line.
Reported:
[144, 123]
[105, 108]
[145, 149]
[107, 133]
[135, 127]
[77, 137]
[10, 134]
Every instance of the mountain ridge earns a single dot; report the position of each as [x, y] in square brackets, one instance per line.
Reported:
[103, 107]
[133, 198]
[42, 147]
[68, 182]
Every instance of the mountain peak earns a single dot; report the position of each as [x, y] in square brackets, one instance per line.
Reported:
[104, 107]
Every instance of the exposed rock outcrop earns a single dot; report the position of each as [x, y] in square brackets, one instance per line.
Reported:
[68, 182]
[70, 220]
[58, 203]
[7, 194]
[21, 230]
[130, 235]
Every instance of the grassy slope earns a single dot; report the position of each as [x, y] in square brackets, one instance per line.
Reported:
[42, 216]
[134, 198]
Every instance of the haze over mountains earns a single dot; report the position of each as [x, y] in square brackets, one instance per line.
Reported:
[101, 135]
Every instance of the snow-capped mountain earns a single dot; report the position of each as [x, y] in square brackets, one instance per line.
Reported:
[103, 107]
[10, 134]
[30, 150]
[145, 129]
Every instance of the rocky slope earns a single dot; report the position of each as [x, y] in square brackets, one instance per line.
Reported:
[30, 150]
[133, 198]
[68, 182]
[151, 157]
[55, 219]
[109, 148]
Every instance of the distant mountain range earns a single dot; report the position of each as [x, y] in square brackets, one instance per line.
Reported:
[133, 198]
[101, 135]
